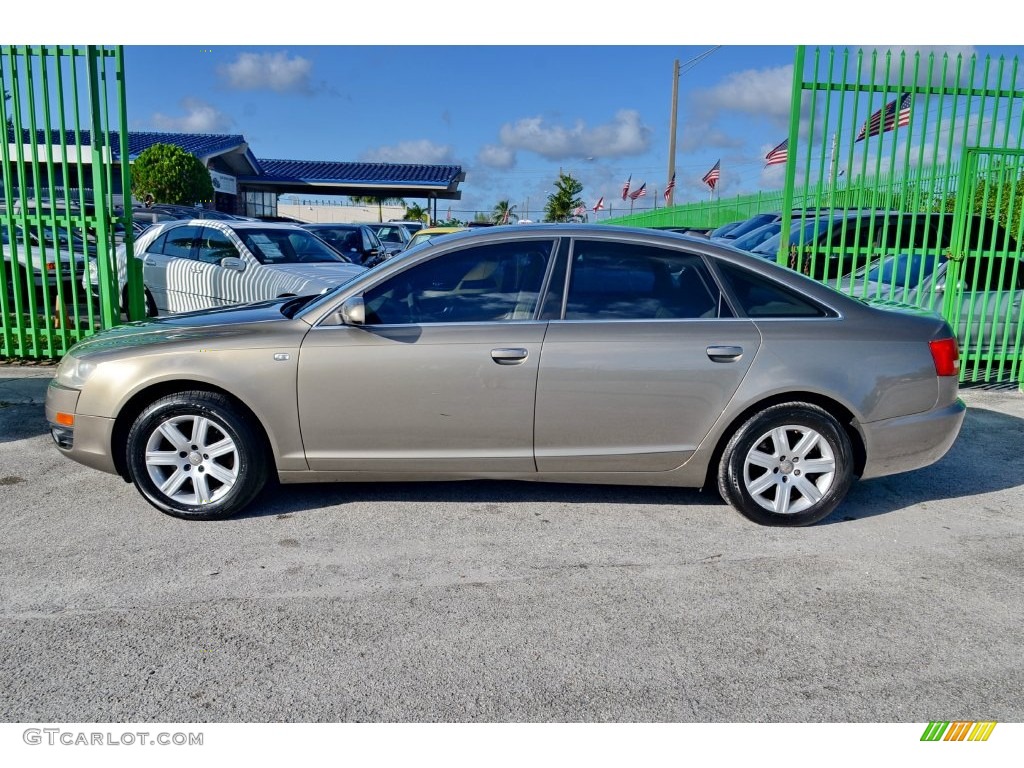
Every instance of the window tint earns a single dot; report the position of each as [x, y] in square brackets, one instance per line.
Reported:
[995, 273]
[215, 246]
[620, 281]
[177, 242]
[482, 284]
[760, 297]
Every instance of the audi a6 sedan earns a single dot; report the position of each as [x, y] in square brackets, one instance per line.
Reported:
[565, 353]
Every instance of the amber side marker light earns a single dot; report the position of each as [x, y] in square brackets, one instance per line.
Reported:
[946, 356]
[66, 419]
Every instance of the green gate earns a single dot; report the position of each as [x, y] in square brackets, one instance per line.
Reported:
[904, 183]
[985, 274]
[60, 185]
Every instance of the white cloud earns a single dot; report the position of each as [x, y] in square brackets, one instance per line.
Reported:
[624, 135]
[268, 71]
[496, 156]
[199, 117]
[422, 151]
[758, 92]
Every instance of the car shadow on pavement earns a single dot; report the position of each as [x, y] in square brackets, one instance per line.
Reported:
[984, 459]
[288, 499]
[21, 421]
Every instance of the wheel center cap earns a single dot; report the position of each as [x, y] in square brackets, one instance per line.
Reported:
[195, 459]
[786, 467]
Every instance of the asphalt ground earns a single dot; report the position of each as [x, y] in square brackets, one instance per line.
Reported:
[494, 601]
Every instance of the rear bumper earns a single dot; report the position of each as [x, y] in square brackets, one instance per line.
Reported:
[911, 442]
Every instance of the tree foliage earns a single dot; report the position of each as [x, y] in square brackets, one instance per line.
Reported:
[504, 213]
[171, 175]
[564, 199]
[997, 194]
[415, 212]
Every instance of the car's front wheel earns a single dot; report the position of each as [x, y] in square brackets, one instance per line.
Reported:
[791, 464]
[196, 455]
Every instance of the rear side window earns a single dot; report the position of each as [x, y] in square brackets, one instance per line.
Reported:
[760, 297]
[623, 281]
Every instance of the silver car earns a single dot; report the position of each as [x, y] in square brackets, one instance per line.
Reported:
[208, 263]
[566, 353]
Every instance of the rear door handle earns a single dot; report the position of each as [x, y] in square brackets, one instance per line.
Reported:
[725, 354]
[509, 355]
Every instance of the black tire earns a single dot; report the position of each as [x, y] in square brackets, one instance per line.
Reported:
[762, 476]
[197, 484]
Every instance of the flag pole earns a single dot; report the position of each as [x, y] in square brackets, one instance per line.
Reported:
[672, 131]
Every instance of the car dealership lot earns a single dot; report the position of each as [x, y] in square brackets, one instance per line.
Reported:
[500, 601]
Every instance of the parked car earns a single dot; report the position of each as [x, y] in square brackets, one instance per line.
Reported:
[989, 291]
[572, 353]
[412, 226]
[718, 232]
[207, 263]
[356, 242]
[429, 233]
[58, 257]
[393, 236]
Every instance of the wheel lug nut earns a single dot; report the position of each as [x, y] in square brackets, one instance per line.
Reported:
[206, 455]
[796, 471]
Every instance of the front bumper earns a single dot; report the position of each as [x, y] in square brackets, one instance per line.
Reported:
[905, 443]
[88, 440]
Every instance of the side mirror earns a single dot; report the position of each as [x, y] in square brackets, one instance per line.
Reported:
[233, 262]
[353, 311]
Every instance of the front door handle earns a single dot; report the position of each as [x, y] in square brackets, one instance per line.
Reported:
[725, 354]
[509, 355]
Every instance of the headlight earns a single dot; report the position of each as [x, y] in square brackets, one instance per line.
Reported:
[73, 373]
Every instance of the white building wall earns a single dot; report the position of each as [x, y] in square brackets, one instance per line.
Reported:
[339, 214]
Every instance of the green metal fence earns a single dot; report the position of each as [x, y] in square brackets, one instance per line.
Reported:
[905, 182]
[58, 219]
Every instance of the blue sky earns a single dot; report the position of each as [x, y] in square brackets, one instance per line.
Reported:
[512, 113]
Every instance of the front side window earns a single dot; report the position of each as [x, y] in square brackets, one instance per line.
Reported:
[482, 284]
[623, 281]
[215, 246]
[177, 243]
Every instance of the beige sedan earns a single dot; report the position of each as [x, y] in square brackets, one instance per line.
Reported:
[568, 353]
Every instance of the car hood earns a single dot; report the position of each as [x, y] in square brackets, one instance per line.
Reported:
[328, 274]
[210, 324]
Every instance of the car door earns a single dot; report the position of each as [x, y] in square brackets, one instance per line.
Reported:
[639, 364]
[442, 375]
[224, 283]
[167, 268]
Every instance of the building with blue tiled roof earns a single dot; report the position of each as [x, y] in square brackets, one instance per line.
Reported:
[242, 182]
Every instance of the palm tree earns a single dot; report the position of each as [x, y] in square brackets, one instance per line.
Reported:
[415, 212]
[504, 213]
[564, 199]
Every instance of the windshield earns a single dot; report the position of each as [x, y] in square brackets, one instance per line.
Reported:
[725, 229]
[757, 236]
[801, 231]
[903, 269]
[748, 226]
[288, 246]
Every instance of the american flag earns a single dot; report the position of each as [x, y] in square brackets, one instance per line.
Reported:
[778, 155]
[599, 205]
[670, 187]
[625, 187]
[887, 118]
[579, 210]
[711, 177]
[639, 192]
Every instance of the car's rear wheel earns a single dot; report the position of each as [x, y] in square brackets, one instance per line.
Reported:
[791, 465]
[195, 455]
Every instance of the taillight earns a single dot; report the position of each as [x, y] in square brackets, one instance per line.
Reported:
[946, 356]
